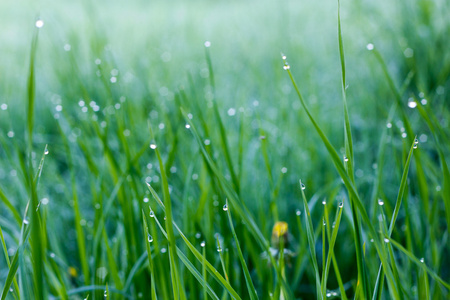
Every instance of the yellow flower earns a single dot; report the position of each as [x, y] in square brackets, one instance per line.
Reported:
[72, 271]
[280, 233]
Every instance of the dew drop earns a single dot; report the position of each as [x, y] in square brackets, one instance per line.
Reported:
[219, 249]
[341, 204]
[187, 126]
[225, 207]
[416, 141]
[152, 214]
[370, 47]
[25, 221]
[153, 146]
[412, 104]
[198, 235]
[415, 146]
[324, 202]
[380, 202]
[422, 260]
[165, 218]
[303, 186]
[105, 294]
[203, 244]
[298, 212]
[386, 240]
[345, 159]
[324, 223]
[286, 67]
[46, 152]
[149, 238]
[328, 294]
[207, 44]
[39, 23]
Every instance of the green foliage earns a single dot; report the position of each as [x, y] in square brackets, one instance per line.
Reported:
[136, 165]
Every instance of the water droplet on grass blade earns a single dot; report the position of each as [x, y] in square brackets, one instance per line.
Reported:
[386, 240]
[46, 152]
[286, 67]
[298, 212]
[370, 46]
[345, 159]
[187, 126]
[153, 146]
[380, 202]
[149, 238]
[225, 207]
[303, 186]
[422, 260]
[39, 23]
[203, 244]
[341, 204]
[151, 214]
[324, 202]
[219, 249]
[412, 104]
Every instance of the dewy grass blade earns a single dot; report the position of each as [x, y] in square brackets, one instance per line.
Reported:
[419, 263]
[36, 242]
[176, 282]
[248, 278]
[149, 256]
[342, 172]
[311, 242]
[238, 205]
[437, 131]
[362, 277]
[401, 191]
[192, 269]
[197, 254]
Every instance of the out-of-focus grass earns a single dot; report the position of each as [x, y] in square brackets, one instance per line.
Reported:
[227, 124]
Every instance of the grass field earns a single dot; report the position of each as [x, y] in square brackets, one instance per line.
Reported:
[225, 150]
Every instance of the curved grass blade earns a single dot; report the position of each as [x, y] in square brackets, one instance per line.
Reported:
[238, 205]
[419, 263]
[248, 279]
[191, 268]
[196, 253]
[344, 176]
[176, 283]
[311, 242]
[149, 256]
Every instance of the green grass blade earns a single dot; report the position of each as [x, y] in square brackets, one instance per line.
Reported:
[176, 283]
[149, 256]
[419, 263]
[191, 268]
[248, 279]
[344, 176]
[238, 205]
[311, 242]
[197, 254]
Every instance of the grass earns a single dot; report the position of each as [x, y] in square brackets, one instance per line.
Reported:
[151, 164]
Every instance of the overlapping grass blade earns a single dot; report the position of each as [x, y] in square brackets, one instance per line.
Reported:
[248, 278]
[346, 179]
[238, 205]
[196, 253]
[312, 243]
[176, 282]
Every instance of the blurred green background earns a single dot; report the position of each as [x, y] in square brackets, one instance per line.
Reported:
[105, 70]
